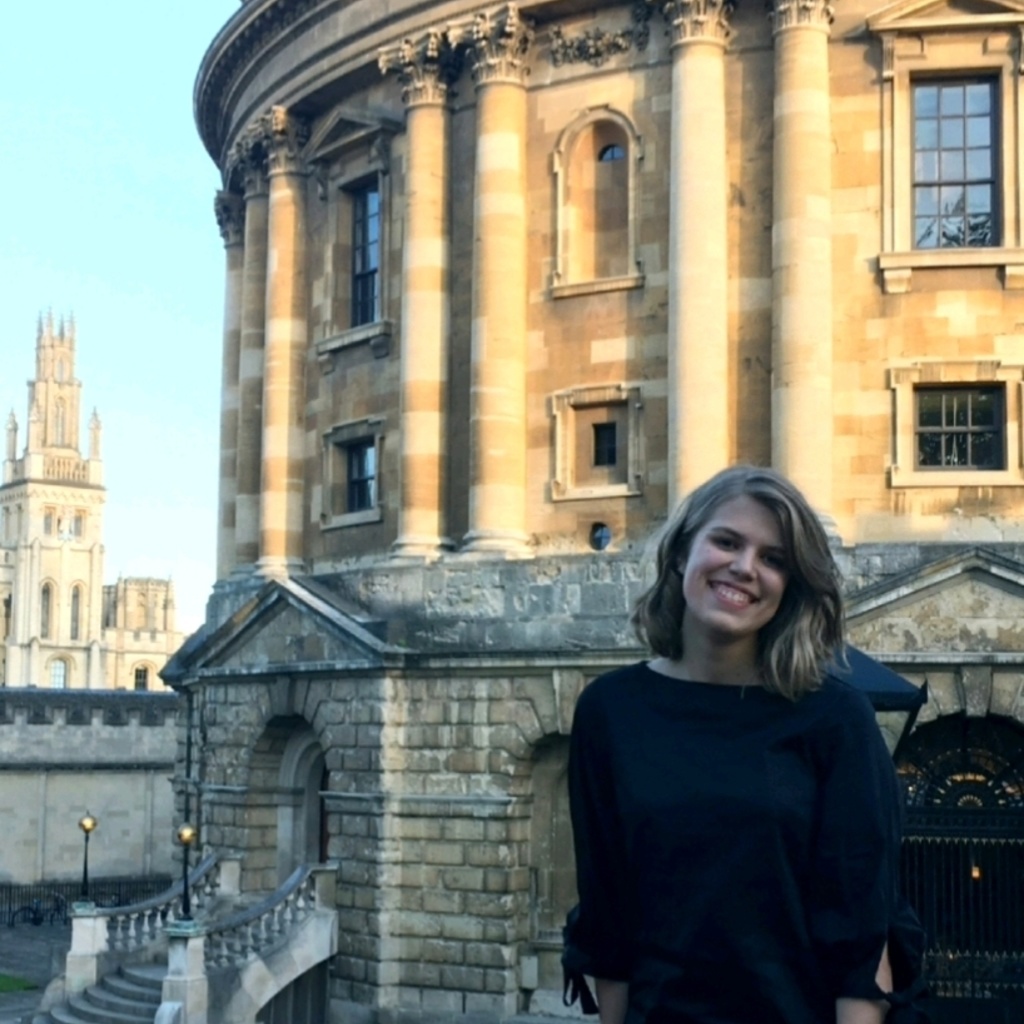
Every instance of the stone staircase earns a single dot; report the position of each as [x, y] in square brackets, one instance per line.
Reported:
[131, 995]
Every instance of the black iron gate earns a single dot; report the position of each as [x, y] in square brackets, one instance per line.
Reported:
[963, 872]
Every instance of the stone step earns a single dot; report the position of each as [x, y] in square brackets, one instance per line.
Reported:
[101, 996]
[126, 988]
[146, 975]
[84, 1010]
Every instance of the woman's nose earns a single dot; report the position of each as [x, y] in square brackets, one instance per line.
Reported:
[743, 562]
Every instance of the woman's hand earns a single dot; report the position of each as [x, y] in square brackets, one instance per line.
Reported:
[866, 1011]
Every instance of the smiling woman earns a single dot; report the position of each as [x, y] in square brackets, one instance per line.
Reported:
[735, 812]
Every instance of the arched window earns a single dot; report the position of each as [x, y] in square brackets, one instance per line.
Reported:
[141, 678]
[595, 165]
[45, 611]
[58, 674]
[76, 611]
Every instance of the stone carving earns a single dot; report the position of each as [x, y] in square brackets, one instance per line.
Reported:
[229, 209]
[425, 67]
[248, 160]
[283, 136]
[595, 46]
[498, 42]
[698, 19]
[786, 13]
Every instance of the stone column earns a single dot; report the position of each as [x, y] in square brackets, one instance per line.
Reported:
[249, 447]
[287, 328]
[424, 67]
[497, 500]
[802, 251]
[230, 210]
[698, 350]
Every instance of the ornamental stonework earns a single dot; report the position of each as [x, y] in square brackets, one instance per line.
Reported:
[425, 67]
[283, 136]
[788, 13]
[229, 209]
[698, 19]
[596, 46]
[498, 42]
[248, 162]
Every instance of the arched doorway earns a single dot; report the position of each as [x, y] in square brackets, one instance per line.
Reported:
[963, 863]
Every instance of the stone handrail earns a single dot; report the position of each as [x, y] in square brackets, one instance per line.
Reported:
[65, 467]
[246, 934]
[133, 927]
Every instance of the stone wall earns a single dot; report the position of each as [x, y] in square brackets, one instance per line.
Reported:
[65, 753]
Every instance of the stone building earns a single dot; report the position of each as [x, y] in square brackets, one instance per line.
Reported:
[502, 284]
[62, 627]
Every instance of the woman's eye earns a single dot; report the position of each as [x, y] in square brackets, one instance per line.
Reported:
[775, 562]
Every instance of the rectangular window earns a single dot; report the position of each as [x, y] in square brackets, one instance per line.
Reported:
[365, 255]
[954, 177]
[362, 475]
[49, 518]
[960, 428]
[78, 524]
[142, 678]
[605, 449]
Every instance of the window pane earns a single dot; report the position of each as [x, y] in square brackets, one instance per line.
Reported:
[984, 408]
[929, 449]
[929, 408]
[926, 100]
[956, 450]
[952, 199]
[926, 133]
[979, 229]
[926, 233]
[957, 406]
[952, 133]
[979, 131]
[979, 198]
[954, 232]
[926, 165]
[979, 98]
[926, 200]
[951, 165]
[979, 164]
[951, 99]
[985, 451]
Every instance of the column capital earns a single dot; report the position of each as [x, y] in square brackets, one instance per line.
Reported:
[282, 136]
[698, 20]
[425, 66]
[498, 42]
[229, 209]
[249, 161]
[791, 13]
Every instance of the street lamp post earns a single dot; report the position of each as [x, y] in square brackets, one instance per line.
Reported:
[87, 823]
[186, 836]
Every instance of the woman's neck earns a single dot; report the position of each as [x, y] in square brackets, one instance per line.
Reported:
[729, 665]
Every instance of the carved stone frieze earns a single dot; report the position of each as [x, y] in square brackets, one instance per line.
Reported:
[595, 46]
[425, 67]
[229, 208]
[787, 13]
[698, 19]
[498, 42]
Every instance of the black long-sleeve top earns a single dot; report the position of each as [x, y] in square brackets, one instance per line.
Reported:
[736, 851]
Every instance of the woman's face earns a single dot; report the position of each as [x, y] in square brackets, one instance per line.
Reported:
[735, 573]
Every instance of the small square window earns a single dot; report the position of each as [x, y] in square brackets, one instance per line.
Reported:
[605, 448]
[960, 428]
[361, 458]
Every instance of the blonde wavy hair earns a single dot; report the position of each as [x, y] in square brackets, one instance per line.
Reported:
[808, 629]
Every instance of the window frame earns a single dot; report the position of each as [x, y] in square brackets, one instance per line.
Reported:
[943, 431]
[948, 46]
[362, 246]
[566, 485]
[904, 382]
[337, 443]
[75, 612]
[65, 677]
[144, 669]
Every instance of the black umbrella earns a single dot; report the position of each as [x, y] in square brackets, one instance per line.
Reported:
[886, 690]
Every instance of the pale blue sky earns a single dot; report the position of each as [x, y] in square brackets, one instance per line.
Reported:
[108, 213]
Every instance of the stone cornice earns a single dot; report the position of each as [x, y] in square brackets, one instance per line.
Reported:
[229, 209]
[498, 42]
[596, 45]
[791, 13]
[425, 66]
[705, 20]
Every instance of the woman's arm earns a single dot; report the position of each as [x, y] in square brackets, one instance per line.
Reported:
[864, 1011]
[612, 998]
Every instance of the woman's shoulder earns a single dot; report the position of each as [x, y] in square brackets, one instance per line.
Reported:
[612, 687]
[837, 705]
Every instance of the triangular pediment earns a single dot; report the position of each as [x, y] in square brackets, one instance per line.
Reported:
[285, 628]
[923, 15]
[972, 602]
[344, 129]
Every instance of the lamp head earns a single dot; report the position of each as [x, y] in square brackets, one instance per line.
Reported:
[187, 834]
[87, 823]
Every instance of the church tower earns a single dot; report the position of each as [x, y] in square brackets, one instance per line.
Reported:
[51, 530]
